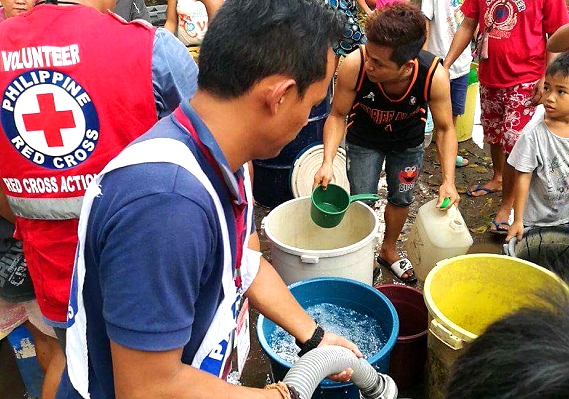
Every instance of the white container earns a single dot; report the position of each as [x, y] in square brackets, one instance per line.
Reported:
[192, 22]
[301, 250]
[436, 235]
[307, 164]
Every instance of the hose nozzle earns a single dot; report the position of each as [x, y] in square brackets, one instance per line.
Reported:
[384, 388]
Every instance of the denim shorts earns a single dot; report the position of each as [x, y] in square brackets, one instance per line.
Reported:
[402, 170]
[458, 89]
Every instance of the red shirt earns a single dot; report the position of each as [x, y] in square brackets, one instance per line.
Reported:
[516, 44]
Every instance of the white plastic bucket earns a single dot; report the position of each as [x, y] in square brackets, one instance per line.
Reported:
[301, 250]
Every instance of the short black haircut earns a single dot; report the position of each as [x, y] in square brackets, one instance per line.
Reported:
[559, 66]
[400, 26]
[522, 356]
[249, 40]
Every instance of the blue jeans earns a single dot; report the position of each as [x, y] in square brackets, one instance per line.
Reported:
[402, 170]
[458, 89]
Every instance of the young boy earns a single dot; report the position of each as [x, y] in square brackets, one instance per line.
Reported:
[541, 158]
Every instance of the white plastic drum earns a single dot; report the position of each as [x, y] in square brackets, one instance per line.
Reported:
[307, 164]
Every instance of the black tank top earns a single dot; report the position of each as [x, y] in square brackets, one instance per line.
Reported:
[379, 122]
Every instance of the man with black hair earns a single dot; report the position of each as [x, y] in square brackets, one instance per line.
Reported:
[77, 84]
[525, 355]
[383, 91]
[167, 248]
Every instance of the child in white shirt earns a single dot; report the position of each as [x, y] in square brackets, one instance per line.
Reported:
[541, 158]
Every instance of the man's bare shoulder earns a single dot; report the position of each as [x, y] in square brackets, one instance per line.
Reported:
[349, 70]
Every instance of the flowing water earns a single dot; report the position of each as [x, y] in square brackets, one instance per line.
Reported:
[359, 328]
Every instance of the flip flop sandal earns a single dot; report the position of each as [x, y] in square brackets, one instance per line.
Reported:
[498, 229]
[461, 162]
[480, 188]
[398, 268]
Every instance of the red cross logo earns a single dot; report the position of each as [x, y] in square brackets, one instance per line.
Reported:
[49, 120]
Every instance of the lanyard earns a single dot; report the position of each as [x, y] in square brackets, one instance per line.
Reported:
[239, 210]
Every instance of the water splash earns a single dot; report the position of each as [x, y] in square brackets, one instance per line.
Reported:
[361, 329]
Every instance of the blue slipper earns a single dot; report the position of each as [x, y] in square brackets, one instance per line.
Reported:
[460, 162]
[499, 228]
[480, 188]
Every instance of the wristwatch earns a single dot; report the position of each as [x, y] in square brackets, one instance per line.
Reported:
[312, 342]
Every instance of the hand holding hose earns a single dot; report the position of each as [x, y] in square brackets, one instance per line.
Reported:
[336, 340]
[309, 370]
[515, 230]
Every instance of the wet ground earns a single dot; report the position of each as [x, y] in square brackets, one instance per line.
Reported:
[11, 385]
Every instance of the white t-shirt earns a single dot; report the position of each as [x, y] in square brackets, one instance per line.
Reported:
[445, 17]
[546, 155]
[192, 21]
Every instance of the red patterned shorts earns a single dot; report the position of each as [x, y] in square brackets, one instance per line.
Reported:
[505, 112]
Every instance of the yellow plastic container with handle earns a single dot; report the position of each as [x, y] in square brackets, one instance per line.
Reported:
[465, 122]
[467, 293]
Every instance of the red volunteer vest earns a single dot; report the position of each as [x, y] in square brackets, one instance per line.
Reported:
[76, 88]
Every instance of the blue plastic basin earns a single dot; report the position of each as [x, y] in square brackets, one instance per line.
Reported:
[348, 294]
